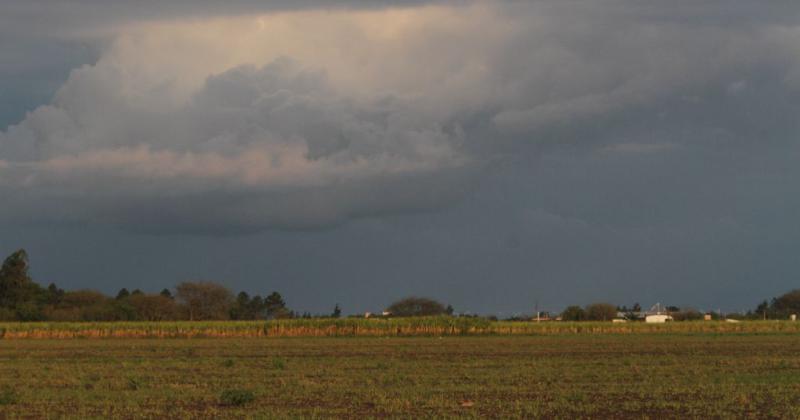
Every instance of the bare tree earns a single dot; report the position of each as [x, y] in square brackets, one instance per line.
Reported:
[153, 307]
[601, 312]
[205, 300]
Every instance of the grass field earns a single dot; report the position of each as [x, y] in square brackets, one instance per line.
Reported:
[561, 375]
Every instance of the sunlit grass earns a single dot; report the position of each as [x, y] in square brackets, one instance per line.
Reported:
[349, 327]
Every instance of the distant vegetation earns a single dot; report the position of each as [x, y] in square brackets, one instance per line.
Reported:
[22, 299]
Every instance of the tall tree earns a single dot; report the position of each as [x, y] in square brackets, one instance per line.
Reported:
[256, 307]
[241, 308]
[275, 306]
[16, 285]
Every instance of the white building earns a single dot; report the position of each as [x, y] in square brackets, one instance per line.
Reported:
[657, 318]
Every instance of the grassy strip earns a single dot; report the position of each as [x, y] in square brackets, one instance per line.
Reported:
[351, 327]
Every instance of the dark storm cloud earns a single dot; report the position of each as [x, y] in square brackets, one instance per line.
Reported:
[276, 131]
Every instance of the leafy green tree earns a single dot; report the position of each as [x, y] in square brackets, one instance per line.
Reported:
[276, 307]
[449, 310]
[786, 304]
[573, 313]
[258, 307]
[241, 309]
[337, 311]
[416, 306]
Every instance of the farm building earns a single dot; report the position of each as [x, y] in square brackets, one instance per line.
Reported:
[656, 315]
[657, 318]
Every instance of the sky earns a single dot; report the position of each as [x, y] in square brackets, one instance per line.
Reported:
[499, 156]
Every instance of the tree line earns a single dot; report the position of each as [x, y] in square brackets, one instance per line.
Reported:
[22, 299]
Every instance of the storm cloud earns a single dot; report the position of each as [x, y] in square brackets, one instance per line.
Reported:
[484, 152]
[253, 122]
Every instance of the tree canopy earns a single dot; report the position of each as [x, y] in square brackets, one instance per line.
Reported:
[416, 306]
[16, 285]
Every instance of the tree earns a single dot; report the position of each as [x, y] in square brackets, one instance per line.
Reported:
[90, 305]
[449, 310]
[601, 312]
[337, 311]
[54, 294]
[276, 307]
[573, 313]
[166, 293]
[16, 285]
[79, 298]
[153, 307]
[786, 304]
[205, 300]
[241, 308]
[416, 306]
[123, 293]
[256, 307]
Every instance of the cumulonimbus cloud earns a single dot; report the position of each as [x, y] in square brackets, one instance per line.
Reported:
[306, 119]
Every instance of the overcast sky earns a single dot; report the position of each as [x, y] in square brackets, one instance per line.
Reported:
[494, 155]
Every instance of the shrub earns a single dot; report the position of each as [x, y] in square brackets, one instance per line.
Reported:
[235, 397]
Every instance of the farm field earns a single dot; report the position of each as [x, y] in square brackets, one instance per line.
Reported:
[602, 375]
